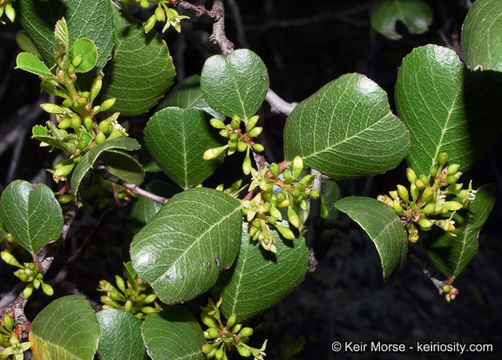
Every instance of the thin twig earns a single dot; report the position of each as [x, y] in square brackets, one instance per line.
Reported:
[315, 211]
[439, 284]
[101, 169]
[278, 105]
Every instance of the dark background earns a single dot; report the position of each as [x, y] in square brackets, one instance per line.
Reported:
[305, 44]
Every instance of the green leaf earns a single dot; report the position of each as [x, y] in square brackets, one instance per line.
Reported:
[123, 166]
[87, 51]
[181, 251]
[120, 336]
[41, 133]
[65, 329]
[451, 254]
[447, 108]
[88, 160]
[25, 43]
[259, 279]
[31, 214]
[173, 334]
[90, 19]
[141, 69]
[331, 193]
[177, 139]
[481, 41]
[415, 14]
[29, 62]
[187, 94]
[383, 227]
[236, 84]
[346, 130]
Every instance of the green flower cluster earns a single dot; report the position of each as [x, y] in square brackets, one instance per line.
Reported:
[432, 199]
[7, 9]
[278, 190]
[162, 13]
[28, 273]
[222, 338]
[9, 340]
[237, 140]
[133, 295]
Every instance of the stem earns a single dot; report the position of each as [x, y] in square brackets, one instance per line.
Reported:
[131, 187]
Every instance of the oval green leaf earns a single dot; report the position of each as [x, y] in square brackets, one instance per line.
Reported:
[383, 227]
[236, 84]
[181, 251]
[120, 336]
[141, 69]
[88, 160]
[31, 214]
[187, 94]
[259, 279]
[173, 334]
[446, 108]
[451, 254]
[123, 166]
[481, 41]
[90, 19]
[346, 130]
[87, 51]
[29, 62]
[177, 139]
[415, 14]
[65, 329]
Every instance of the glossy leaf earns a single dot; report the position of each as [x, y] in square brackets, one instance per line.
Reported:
[258, 279]
[446, 108]
[120, 336]
[383, 227]
[187, 94]
[31, 214]
[173, 334]
[177, 139]
[87, 51]
[123, 166]
[451, 254]
[141, 68]
[416, 15]
[90, 19]
[481, 41]
[65, 329]
[88, 160]
[29, 62]
[181, 251]
[236, 84]
[346, 130]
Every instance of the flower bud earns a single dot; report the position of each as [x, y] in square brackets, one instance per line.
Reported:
[246, 164]
[274, 169]
[427, 194]
[241, 146]
[212, 333]
[36, 283]
[64, 170]
[8, 322]
[217, 123]
[47, 289]
[219, 353]
[97, 83]
[297, 166]
[208, 320]
[28, 290]
[88, 122]
[425, 224]
[403, 193]
[314, 194]
[242, 350]
[10, 12]
[52, 108]
[65, 123]
[76, 61]
[288, 177]
[107, 104]
[433, 170]
[76, 121]
[246, 332]
[419, 184]
[160, 15]
[398, 208]
[414, 192]
[214, 152]
[128, 305]
[206, 348]
[10, 259]
[393, 194]
[252, 122]
[105, 127]
[452, 179]
[148, 310]
[413, 238]
[100, 138]
[429, 209]
[145, 4]
[293, 217]
[275, 212]
[411, 175]
[231, 321]
[255, 131]
[452, 169]
[443, 159]
[285, 231]
[453, 205]
[236, 328]
[224, 133]
[150, 23]
[236, 122]
[258, 147]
